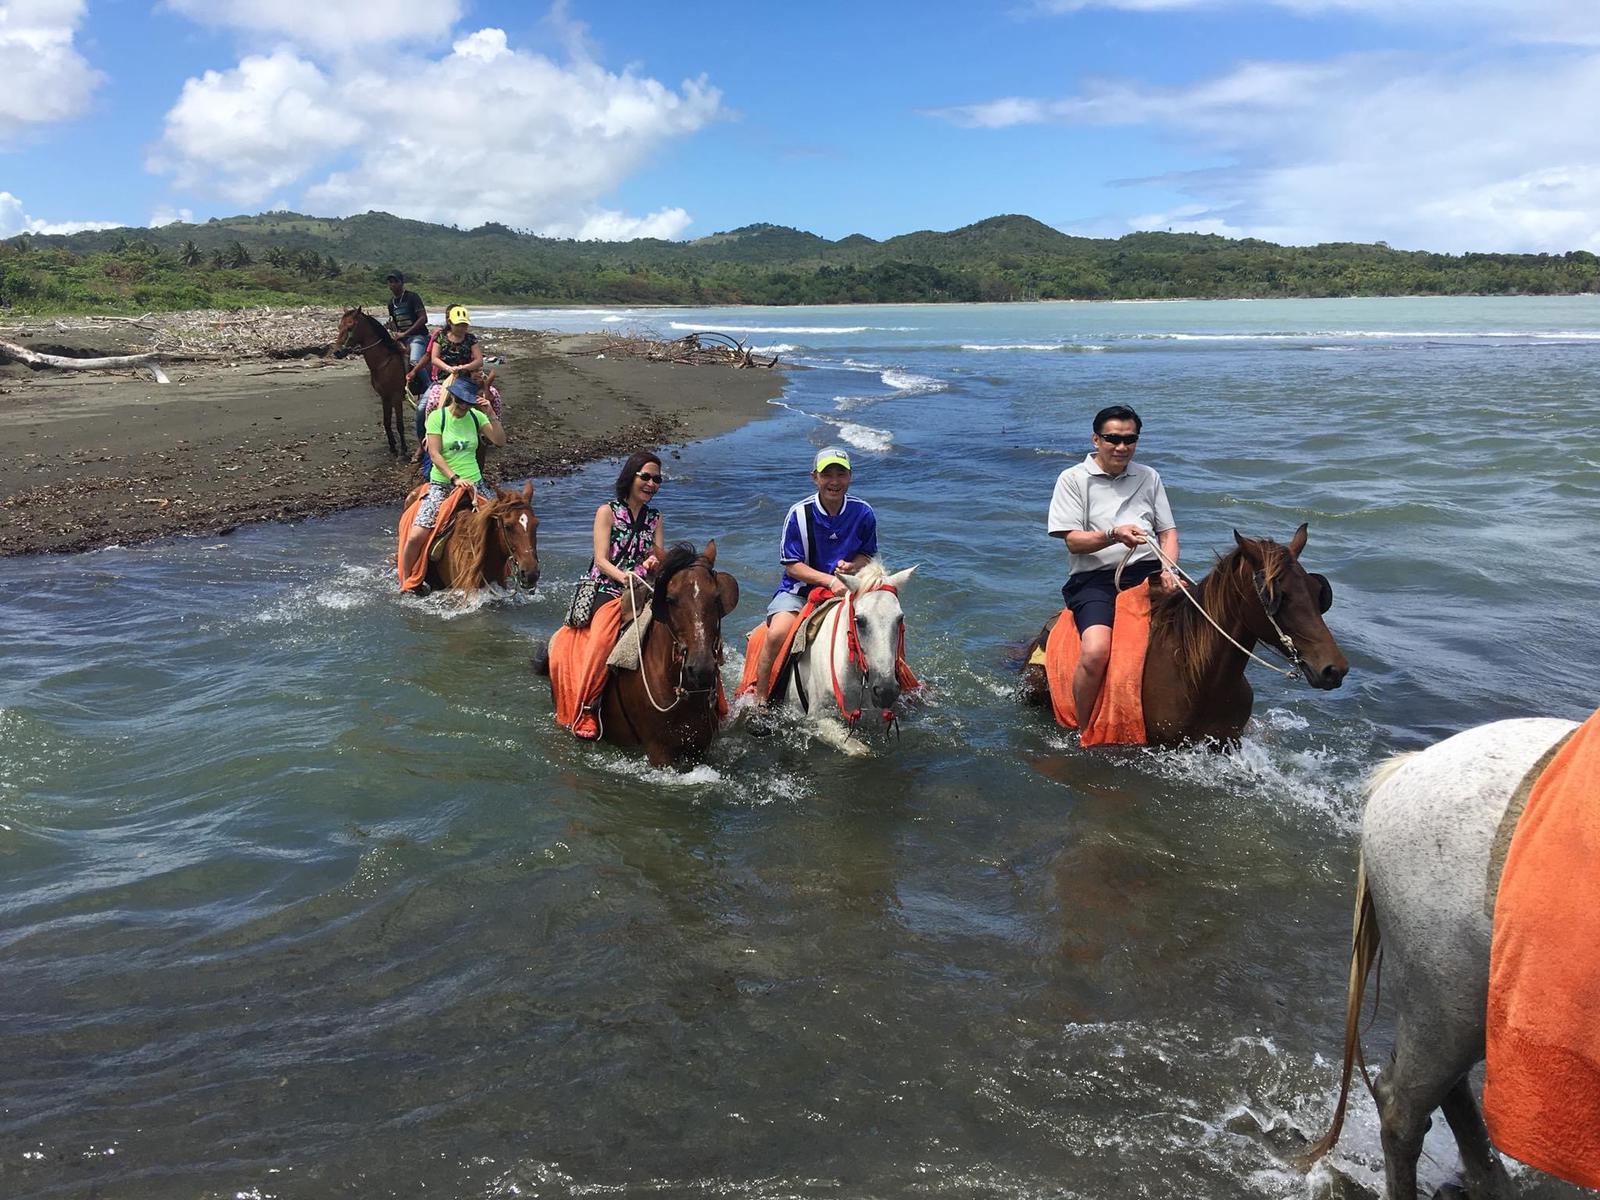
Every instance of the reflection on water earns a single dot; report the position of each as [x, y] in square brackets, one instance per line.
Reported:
[304, 894]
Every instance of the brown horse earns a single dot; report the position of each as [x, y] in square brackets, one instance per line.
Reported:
[671, 704]
[386, 364]
[496, 541]
[1194, 683]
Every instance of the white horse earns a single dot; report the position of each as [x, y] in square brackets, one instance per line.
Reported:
[848, 668]
[1431, 849]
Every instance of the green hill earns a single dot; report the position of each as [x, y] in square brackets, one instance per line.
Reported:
[287, 258]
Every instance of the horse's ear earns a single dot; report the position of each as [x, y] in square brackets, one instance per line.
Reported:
[1250, 548]
[710, 553]
[1298, 542]
[849, 581]
[727, 591]
[898, 579]
[527, 493]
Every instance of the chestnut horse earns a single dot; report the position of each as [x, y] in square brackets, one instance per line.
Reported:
[1194, 685]
[386, 364]
[491, 543]
[672, 704]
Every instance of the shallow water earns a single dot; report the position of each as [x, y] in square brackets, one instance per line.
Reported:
[303, 894]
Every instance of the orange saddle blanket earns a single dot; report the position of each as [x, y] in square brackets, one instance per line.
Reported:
[578, 670]
[1118, 717]
[446, 510]
[1541, 1091]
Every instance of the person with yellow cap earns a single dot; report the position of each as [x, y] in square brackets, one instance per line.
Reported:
[826, 535]
[457, 350]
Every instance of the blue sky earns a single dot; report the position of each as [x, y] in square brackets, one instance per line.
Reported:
[1437, 124]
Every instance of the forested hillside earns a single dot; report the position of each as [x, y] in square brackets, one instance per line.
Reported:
[284, 257]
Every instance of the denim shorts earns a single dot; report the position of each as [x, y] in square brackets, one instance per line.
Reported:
[428, 513]
[1092, 595]
[786, 602]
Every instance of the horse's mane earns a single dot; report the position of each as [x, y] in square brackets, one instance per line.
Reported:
[1225, 588]
[872, 574]
[680, 556]
[473, 535]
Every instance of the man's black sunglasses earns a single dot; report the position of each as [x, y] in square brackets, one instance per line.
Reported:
[1119, 439]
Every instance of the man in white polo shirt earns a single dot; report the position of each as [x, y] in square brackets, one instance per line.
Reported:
[1102, 507]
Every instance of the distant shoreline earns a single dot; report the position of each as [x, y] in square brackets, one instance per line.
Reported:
[113, 457]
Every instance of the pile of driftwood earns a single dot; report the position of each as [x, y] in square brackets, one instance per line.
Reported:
[691, 350]
[207, 335]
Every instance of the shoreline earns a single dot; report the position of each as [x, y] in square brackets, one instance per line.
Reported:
[114, 458]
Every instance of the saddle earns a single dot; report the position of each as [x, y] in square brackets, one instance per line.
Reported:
[441, 535]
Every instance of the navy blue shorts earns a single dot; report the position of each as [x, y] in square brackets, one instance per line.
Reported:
[1092, 595]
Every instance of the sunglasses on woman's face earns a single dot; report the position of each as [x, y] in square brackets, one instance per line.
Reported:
[1119, 439]
[646, 477]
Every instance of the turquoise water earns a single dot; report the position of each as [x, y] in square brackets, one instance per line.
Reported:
[302, 894]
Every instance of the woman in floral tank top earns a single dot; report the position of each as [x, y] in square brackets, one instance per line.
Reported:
[628, 538]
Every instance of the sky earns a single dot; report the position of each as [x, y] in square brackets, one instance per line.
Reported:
[1450, 125]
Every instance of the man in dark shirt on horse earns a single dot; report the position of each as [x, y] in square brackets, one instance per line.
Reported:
[408, 318]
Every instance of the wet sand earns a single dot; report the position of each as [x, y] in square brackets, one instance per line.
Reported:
[114, 457]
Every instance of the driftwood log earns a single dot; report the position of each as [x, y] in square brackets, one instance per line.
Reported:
[32, 358]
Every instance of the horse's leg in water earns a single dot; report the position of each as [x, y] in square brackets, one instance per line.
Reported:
[1034, 687]
[1415, 1082]
[1486, 1175]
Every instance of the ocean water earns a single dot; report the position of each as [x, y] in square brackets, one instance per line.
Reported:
[303, 894]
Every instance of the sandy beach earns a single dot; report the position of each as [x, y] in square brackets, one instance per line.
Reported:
[114, 457]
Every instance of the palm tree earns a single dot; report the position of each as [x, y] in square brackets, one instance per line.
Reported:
[189, 254]
[238, 256]
[278, 256]
[219, 258]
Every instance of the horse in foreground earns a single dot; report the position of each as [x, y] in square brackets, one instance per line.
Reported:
[1194, 685]
[495, 542]
[669, 699]
[854, 659]
[386, 365]
[1434, 839]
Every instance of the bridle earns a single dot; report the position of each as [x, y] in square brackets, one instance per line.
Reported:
[680, 652]
[347, 348]
[856, 656]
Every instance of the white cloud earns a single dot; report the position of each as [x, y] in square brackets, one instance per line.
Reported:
[13, 220]
[1439, 155]
[1575, 21]
[328, 27]
[246, 132]
[46, 79]
[513, 136]
[166, 215]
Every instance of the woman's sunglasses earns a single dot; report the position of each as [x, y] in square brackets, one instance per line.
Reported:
[646, 477]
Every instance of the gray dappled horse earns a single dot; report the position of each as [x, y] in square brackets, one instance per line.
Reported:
[1430, 838]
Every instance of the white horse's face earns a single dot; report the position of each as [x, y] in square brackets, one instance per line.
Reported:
[879, 622]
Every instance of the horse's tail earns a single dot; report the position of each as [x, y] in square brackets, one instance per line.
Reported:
[1365, 942]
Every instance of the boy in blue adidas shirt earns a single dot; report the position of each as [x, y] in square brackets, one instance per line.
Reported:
[824, 536]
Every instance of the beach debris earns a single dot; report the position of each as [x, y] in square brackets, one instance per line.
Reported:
[702, 349]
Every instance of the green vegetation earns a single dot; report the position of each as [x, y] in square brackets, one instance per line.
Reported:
[287, 258]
